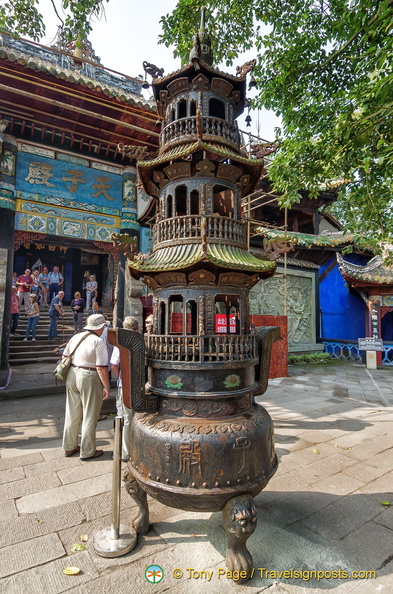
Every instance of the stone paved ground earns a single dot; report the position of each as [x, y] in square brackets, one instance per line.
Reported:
[321, 512]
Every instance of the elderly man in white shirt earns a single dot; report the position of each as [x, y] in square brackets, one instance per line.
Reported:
[87, 385]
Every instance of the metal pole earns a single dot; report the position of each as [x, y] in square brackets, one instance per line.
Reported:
[116, 480]
[108, 542]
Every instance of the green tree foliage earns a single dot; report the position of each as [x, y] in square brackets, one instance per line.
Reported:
[22, 17]
[326, 67]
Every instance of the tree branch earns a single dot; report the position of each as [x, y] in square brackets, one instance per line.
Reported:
[57, 14]
[353, 37]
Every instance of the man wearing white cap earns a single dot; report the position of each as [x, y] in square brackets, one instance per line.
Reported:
[87, 385]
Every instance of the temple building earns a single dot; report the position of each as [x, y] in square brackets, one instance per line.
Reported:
[64, 185]
[373, 282]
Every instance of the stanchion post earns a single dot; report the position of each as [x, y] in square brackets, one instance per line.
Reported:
[117, 539]
[116, 479]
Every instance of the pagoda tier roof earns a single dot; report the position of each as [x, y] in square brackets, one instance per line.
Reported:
[373, 273]
[184, 256]
[253, 167]
[195, 67]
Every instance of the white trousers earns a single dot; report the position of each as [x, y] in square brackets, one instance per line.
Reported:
[126, 414]
[84, 401]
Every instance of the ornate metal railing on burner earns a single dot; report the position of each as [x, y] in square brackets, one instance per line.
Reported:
[221, 229]
[186, 129]
[197, 349]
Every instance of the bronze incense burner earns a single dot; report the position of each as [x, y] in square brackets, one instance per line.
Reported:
[199, 441]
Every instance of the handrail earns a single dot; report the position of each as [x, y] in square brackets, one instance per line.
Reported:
[211, 126]
[189, 226]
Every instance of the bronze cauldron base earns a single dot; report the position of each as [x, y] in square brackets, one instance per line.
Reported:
[199, 500]
[239, 450]
[239, 516]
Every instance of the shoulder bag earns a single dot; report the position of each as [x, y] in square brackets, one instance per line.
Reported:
[62, 368]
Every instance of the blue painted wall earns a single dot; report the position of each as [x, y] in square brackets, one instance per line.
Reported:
[342, 312]
[144, 240]
[68, 181]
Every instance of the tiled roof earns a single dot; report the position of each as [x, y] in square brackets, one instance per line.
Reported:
[373, 273]
[202, 67]
[237, 258]
[222, 150]
[60, 65]
[183, 256]
[182, 150]
[253, 166]
[177, 152]
[304, 239]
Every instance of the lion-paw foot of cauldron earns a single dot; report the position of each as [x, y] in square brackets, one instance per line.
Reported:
[140, 520]
[239, 522]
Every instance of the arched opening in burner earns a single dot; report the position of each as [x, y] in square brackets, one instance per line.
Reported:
[227, 314]
[181, 201]
[182, 109]
[223, 201]
[176, 314]
[192, 317]
[217, 108]
[169, 202]
[194, 202]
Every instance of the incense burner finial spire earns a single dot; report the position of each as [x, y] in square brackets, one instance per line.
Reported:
[202, 47]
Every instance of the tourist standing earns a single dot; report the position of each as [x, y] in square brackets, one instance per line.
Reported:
[55, 311]
[84, 281]
[33, 315]
[55, 282]
[44, 285]
[77, 306]
[24, 283]
[91, 291]
[14, 311]
[123, 411]
[87, 385]
[35, 288]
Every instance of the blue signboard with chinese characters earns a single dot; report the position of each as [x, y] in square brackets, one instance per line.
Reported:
[61, 179]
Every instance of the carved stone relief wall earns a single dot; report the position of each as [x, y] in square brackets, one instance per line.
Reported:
[267, 298]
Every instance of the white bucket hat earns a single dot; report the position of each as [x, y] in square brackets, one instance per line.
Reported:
[95, 322]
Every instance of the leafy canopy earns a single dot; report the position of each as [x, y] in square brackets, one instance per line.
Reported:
[23, 17]
[326, 67]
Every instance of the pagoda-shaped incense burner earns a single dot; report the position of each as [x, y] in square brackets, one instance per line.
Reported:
[199, 441]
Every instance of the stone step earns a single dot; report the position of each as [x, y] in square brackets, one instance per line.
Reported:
[41, 350]
[27, 360]
[41, 338]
